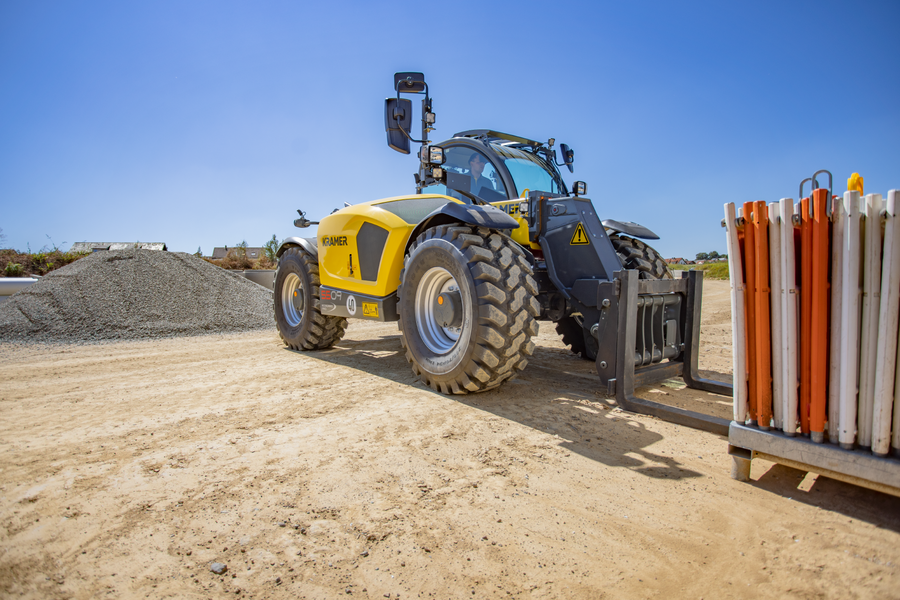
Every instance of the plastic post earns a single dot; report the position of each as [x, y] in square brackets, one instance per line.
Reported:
[819, 261]
[888, 317]
[850, 320]
[777, 286]
[790, 305]
[834, 364]
[806, 294]
[738, 324]
[750, 309]
[761, 305]
[871, 303]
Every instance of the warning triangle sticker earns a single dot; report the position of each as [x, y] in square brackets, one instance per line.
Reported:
[579, 238]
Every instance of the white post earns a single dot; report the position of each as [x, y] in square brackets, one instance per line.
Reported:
[790, 301]
[850, 320]
[776, 285]
[886, 359]
[738, 324]
[870, 307]
[834, 364]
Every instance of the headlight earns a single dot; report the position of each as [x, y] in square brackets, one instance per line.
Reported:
[435, 155]
[580, 188]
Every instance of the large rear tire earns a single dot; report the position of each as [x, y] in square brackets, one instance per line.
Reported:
[300, 323]
[467, 309]
[634, 254]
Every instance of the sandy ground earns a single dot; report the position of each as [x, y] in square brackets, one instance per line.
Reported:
[126, 469]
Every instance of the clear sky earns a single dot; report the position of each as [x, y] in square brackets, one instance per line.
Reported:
[206, 123]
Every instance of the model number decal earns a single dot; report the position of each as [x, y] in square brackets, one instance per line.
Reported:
[334, 240]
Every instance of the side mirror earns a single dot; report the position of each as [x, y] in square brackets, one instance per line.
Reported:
[409, 82]
[397, 114]
[568, 156]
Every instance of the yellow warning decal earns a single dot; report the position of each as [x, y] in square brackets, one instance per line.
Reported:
[370, 309]
[579, 238]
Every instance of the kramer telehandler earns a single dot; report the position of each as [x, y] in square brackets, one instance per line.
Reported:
[491, 243]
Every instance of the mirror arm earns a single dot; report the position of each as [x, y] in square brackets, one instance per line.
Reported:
[400, 127]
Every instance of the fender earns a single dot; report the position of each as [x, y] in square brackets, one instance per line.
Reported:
[470, 214]
[629, 228]
[308, 244]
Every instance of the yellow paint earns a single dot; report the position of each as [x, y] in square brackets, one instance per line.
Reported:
[339, 255]
[340, 230]
[520, 234]
[855, 183]
[580, 238]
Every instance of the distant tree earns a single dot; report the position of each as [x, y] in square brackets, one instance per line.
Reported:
[271, 247]
[241, 249]
[702, 256]
[713, 255]
[198, 253]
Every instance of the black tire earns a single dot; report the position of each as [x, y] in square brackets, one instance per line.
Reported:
[578, 338]
[637, 255]
[300, 323]
[491, 281]
[634, 254]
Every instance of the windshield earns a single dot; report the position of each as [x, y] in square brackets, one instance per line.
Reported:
[529, 171]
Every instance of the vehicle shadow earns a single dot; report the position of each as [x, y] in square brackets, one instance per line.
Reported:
[855, 502]
[554, 394]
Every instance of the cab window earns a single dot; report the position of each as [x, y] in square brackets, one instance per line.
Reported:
[530, 172]
[485, 181]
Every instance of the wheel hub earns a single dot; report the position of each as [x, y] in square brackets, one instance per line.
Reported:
[439, 310]
[292, 301]
[448, 309]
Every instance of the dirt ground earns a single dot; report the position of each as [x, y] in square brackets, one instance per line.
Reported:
[127, 469]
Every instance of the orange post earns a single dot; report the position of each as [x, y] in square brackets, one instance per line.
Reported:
[763, 330]
[750, 309]
[820, 260]
[806, 295]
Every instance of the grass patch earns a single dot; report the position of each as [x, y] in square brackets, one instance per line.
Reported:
[718, 270]
[22, 264]
[237, 260]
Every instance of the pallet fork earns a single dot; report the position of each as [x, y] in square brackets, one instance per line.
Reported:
[656, 328]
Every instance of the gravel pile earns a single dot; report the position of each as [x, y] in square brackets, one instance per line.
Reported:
[135, 294]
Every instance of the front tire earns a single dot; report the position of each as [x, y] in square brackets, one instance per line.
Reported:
[467, 309]
[300, 323]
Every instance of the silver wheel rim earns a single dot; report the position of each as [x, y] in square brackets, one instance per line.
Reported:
[435, 282]
[292, 284]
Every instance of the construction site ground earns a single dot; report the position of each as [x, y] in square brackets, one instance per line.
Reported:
[128, 468]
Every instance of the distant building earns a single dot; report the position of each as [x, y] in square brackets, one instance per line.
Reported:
[103, 246]
[676, 261]
[252, 253]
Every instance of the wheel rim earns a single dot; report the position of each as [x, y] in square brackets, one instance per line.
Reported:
[292, 299]
[435, 282]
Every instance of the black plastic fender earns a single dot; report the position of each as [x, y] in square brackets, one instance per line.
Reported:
[629, 228]
[308, 244]
[470, 214]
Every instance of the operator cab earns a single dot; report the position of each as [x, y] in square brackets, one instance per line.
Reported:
[509, 167]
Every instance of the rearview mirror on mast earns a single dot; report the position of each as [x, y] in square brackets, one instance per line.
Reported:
[397, 119]
[568, 156]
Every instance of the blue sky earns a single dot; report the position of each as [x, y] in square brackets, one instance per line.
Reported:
[208, 123]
